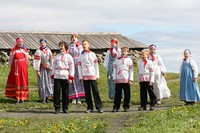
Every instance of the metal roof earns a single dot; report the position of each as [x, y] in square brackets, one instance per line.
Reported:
[98, 40]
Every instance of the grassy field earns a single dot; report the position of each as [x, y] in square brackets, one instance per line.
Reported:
[33, 116]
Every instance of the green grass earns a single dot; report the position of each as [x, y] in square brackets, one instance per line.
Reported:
[179, 119]
[171, 116]
[54, 125]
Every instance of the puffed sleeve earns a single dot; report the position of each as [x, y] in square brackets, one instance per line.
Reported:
[11, 58]
[96, 65]
[71, 67]
[106, 60]
[130, 70]
[50, 59]
[194, 68]
[80, 68]
[161, 65]
[37, 60]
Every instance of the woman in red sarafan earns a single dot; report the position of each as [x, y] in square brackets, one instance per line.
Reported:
[17, 83]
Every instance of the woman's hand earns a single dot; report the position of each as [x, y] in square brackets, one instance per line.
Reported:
[38, 73]
[194, 79]
[130, 82]
[69, 81]
[150, 84]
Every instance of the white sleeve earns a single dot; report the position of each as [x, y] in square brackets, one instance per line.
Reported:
[115, 71]
[161, 65]
[80, 68]
[131, 70]
[37, 60]
[194, 68]
[54, 65]
[96, 65]
[11, 58]
[106, 60]
[119, 52]
[50, 59]
[71, 67]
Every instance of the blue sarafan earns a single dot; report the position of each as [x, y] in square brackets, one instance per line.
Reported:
[189, 90]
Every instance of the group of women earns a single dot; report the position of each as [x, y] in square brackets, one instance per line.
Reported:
[17, 82]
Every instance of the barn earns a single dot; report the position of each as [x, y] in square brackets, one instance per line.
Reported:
[99, 41]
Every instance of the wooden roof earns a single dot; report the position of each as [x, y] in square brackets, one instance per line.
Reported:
[97, 40]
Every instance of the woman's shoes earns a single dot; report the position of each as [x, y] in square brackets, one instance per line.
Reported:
[78, 100]
[73, 101]
[19, 101]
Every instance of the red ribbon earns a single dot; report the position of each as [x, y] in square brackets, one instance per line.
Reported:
[153, 57]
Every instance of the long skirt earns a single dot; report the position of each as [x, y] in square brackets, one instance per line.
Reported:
[189, 90]
[76, 89]
[44, 84]
[160, 87]
[17, 82]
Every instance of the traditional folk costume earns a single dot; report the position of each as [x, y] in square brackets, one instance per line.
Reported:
[17, 82]
[89, 72]
[160, 87]
[122, 74]
[43, 63]
[189, 90]
[111, 56]
[145, 76]
[63, 70]
[76, 89]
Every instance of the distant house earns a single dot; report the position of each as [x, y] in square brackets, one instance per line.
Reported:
[99, 42]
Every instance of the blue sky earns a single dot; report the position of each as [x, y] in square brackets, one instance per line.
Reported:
[172, 25]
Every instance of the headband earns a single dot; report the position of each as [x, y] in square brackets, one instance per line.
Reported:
[152, 46]
[114, 41]
[19, 40]
[43, 40]
[187, 51]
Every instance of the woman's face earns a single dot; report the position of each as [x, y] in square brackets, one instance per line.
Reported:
[186, 55]
[62, 49]
[20, 44]
[113, 44]
[43, 44]
[152, 50]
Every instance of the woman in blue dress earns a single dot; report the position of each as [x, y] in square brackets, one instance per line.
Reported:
[113, 53]
[189, 90]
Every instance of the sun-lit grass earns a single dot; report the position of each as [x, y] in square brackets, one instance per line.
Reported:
[54, 125]
[4, 71]
[178, 119]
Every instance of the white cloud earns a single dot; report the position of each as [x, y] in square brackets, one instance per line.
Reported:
[88, 14]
